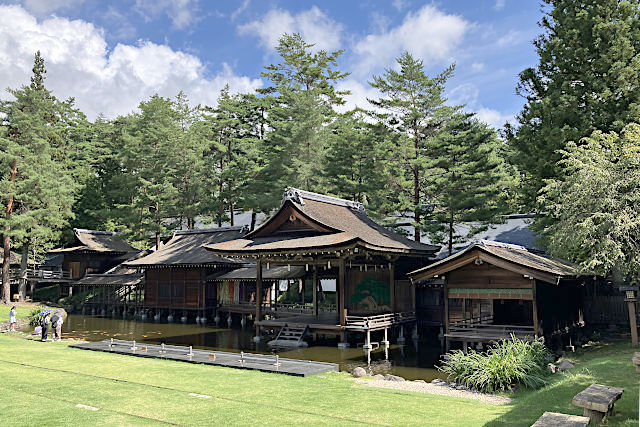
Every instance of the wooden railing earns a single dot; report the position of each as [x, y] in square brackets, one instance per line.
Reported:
[484, 331]
[379, 321]
[34, 273]
[301, 308]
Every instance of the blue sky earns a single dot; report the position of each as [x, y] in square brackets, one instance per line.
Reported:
[112, 55]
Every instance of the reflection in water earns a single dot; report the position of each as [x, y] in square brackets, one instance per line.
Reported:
[414, 360]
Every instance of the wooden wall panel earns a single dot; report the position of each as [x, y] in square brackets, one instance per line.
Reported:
[485, 275]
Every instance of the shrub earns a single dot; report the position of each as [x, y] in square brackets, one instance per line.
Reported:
[507, 364]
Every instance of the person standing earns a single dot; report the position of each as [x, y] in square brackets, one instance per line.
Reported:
[12, 319]
[57, 327]
[44, 323]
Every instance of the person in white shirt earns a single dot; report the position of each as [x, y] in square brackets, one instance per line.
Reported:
[12, 319]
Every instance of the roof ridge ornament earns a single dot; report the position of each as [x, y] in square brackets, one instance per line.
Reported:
[298, 196]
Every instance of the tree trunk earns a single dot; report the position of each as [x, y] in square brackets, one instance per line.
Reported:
[451, 224]
[22, 288]
[158, 241]
[231, 213]
[416, 204]
[253, 220]
[6, 286]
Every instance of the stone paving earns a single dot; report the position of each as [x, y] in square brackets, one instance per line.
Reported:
[251, 361]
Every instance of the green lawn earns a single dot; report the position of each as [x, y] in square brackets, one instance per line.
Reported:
[43, 382]
[22, 310]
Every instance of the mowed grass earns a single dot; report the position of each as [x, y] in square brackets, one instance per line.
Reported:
[22, 310]
[43, 382]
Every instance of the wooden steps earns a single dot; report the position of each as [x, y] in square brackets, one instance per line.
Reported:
[290, 336]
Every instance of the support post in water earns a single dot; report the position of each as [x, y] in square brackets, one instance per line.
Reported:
[134, 348]
[242, 356]
[277, 361]
[162, 348]
[111, 343]
[190, 351]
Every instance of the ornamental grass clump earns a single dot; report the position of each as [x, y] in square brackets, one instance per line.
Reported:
[509, 363]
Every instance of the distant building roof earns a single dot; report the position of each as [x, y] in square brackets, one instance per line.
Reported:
[97, 241]
[14, 258]
[312, 222]
[186, 248]
[504, 255]
[276, 272]
[120, 275]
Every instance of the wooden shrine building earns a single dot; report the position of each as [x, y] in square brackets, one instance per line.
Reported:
[334, 241]
[491, 290]
[176, 274]
[93, 252]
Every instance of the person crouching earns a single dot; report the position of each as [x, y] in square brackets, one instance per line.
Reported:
[44, 323]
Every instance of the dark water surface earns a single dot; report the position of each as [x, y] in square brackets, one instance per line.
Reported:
[414, 360]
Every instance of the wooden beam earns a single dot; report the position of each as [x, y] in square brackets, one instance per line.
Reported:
[258, 296]
[315, 290]
[535, 308]
[446, 313]
[341, 285]
[392, 286]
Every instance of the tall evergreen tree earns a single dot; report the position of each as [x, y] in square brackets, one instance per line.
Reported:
[38, 187]
[304, 96]
[588, 79]
[413, 107]
[467, 181]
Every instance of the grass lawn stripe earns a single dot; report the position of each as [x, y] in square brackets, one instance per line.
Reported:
[60, 399]
[118, 380]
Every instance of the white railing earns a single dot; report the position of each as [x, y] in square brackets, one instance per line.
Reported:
[379, 321]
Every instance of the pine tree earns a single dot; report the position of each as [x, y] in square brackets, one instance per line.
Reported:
[37, 182]
[413, 107]
[303, 95]
[466, 181]
[588, 79]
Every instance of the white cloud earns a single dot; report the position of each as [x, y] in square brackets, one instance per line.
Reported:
[239, 10]
[512, 38]
[428, 34]
[313, 24]
[358, 97]
[400, 4]
[494, 117]
[110, 82]
[466, 93]
[477, 66]
[45, 7]
[182, 13]
[499, 5]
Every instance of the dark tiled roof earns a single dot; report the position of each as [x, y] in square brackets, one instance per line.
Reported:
[111, 279]
[98, 241]
[186, 248]
[511, 253]
[249, 273]
[348, 222]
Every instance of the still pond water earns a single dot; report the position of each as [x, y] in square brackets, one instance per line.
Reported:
[414, 360]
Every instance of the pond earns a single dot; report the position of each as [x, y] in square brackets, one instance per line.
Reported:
[414, 360]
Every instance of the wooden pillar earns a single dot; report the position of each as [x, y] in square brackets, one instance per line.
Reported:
[392, 286]
[258, 296]
[341, 285]
[535, 308]
[446, 314]
[315, 290]
[632, 322]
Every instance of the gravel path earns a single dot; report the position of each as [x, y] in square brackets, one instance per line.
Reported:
[435, 389]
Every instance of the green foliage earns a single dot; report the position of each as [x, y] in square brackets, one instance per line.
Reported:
[596, 207]
[509, 363]
[47, 293]
[413, 109]
[588, 79]
[467, 181]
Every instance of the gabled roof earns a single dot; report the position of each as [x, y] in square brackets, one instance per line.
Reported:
[275, 272]
[308, 222]
[511, 257]
[14, 258]
[186, 248]
[98, 241]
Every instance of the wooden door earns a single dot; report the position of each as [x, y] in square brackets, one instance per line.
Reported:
[75, 269]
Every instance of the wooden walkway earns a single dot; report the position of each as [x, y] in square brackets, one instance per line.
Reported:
[251, 361]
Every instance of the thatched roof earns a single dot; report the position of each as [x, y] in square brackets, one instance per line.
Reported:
[111, 279]
[276, 272]
[504, 255]
[97, 241]
[186, 249]
[311, 222]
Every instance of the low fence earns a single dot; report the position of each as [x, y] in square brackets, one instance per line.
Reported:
[606, 310]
